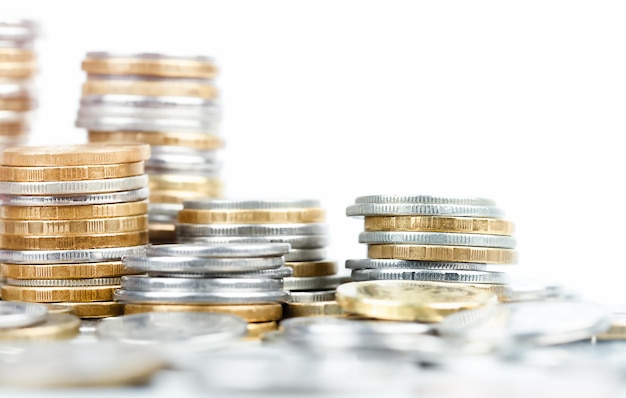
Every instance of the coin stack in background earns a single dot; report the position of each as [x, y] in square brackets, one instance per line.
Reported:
[430, 238]
[243, 279]
[68, 216]
[18, 65]
[299, 222]
[169, 102]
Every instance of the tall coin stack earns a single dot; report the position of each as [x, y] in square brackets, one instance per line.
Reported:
[18, 65]
[432, 238]
[168, 102]
[298, 222]
[243, 279]
[68, 216]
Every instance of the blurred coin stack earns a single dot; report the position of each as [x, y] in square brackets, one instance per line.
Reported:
[299, 222]
[431, 238]
[18, 65]
[169, 102]
[68, 215]
[243, 279]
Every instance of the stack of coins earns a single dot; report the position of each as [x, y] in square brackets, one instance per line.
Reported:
[431, 238]
[243, 279]
[17, 67]
[299, 222]
[68, 216]
[168, 102]
[32, 321]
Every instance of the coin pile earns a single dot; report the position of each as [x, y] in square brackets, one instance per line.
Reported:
[17, 67]
[434, 238]
[298, 222]
[32, 321]
[243, 279]
[168, 102]
[68, 215]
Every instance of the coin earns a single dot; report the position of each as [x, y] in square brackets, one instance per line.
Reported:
[312, 297]
[20, 242]
[453, 276]
[617, 331]
[161, 233]
[266, 230]
[301, 242]
[256, 330]
[179, 297]
[443, 253]
[249, 312]
[16, 54]
[201, 265]
[315, 282]
[323, 308]
[174, 196]
[437, 238]
[17, 315]
[273, 273]
[58, 294]
[305, 255]
[409, 300]
[426, 199]
[251, 204]
[74, 227]
[64, 271]
[166, 87]
[74, 187]
[402, 209]
[70, 173]
[146, 122]
[95, 309]
[468, 225]
[195, 140]
[63, 282]
[74, 155]
[54, 327]
[312, 268]
[225, 250]
[310, 215]
[116, 204]
[152, 284]
[68, 256]
[368, 263]
[165, 182]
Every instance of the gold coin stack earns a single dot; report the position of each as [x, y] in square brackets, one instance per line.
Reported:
[18, 65]
[168, 102]
[68, 216]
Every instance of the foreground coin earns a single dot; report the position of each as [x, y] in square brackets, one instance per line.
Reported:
[263, 216]
[74, 187]
[249, 312]
[542, 323]
[256, 330]
[54, 327]
[16, 315]
[453, 276]
[200, 265]
[409, 300]
[223, 297]
[228, 250]
[368, 263]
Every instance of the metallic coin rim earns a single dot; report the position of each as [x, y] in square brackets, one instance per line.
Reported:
[437, 238]
[450, 276]
[201, 265]
[371, 263]
[373, 209]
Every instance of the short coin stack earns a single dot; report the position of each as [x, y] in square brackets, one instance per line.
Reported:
[431, 238]
[243, 279]
[168, 102]
[68, 216]
[18, 65]
[299, 222]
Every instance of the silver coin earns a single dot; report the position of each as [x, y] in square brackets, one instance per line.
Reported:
[11, 116]
[205, 114]
[224, 250]
[528, 289]
[251, 229]
[16, 314]
[399, 209]
[201, 265]
[75, 199]
[542, 323]
[161, 219]
[183, 154]
[229, 297]
[252, 204]
[127, 101]
[207, 170]
[16, 89]
[184, 57]
[367, 263]
[168, 209]
[74, 187]
[315, 282]
[452, 276]
[275, 273]
[312, 297]
[148, 125]
[426, 199]
[437, 238]
[296, 242]
[222, 239]
[296, 255]
[64, 282]
[19, 30]
[69, 256]
[179, 284]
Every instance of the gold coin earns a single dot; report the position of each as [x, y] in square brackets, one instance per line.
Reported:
[17, 104]
[409, 300]
[74, 212]
[617, 331]
[256, 330]
[58, 309]
[503, 292]
[259, 216]
[65, 271]
[210, 186]
[17, 70]
[101, 241]
[159, 196]
[182, 68]
[96, 309]
[70, 173]
[312, 268]
[74, 227]
[162, 233]
[464, 254]
[320, 308]
[249, 312]
[189, 140]
[75, 155]
[16, 55]
[467, 225]
[55, 327]
[150, 88]
[13, 128]
[58, 294]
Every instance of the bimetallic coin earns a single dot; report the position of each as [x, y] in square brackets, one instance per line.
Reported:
[305, 255]
[321, 308]
[409, 300]
[312, 297]
[17, 315]
[265, 230]
[400, 209]
[74, 187]
[249, 312]
[315, 282]
[275, 273]
[231, 297]
[304, 242]
[454, 276]
[467, 225]
[226, 250]
[158, 284]
[443, 253]
[64, 271]
[74, 227]
[426, 199]
[368, 263]
[70, 173]
[263, 216]
[186, 139]
[58, 294]
[617, 331]
[74, 155]
[73, 200]
[64, 282]
[54, 327]
[69, 256]
[21, 242]
[437, 238]
[252, 204]
[201, 265]
[312, 268]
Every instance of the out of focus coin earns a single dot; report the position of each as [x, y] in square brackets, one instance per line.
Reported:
[425, 199]
[195, 140]
[16, 314]
[54, 327]
[249, 312]
[467, 225]
[182, 297]
[263, 216]
[58, 294]
[312, 268]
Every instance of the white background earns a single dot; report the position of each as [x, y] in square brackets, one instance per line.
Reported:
[522, 102]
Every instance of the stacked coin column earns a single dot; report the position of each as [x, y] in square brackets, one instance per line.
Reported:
[18, 65]
[299, 222]
[68, 216]
[430, 238]
[168, 102]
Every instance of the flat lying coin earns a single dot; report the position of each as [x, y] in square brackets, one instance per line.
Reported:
[74, 155]
[224, 297]
[262, 216]
[443, 253]
[228, 250]
[256, 330]
[437, 238]
[157, 88]
[75, 200]
[249, 312]
[320, 308]
[94, 309]
[16, 315]
[467, 225]
[454, 276]
[195, 140]
[297, 242]
[74, 187]
[64, 271]
[74, 227]
[70, 173]
[368, 263]
[149, 64]
[403, 209]
[426, 199]
[275, 273]
[151, 284]
[58, 294]
[265, 230]
[223, 204]
[54, 327]
[305, 255]
[312, 297]
[202, 265]
[31, 242]
[64, 282]
[315, 282]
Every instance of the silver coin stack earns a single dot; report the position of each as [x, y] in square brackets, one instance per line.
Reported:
[298, 222]
[18, 65]
[244, 279]
[434, 238]
[169, 102]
